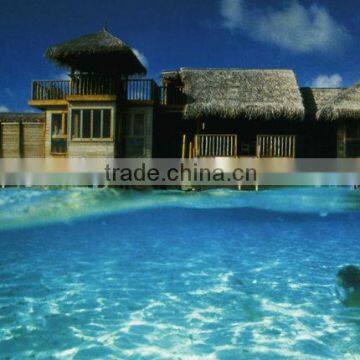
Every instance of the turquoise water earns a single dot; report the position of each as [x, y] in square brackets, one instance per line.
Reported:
[220, 274]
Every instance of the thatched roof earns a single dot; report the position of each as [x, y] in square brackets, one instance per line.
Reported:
[22, 117]
[236, 93]
[98, 52]
[346, 105]
[315, 98]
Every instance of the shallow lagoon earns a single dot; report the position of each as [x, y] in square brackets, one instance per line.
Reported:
[218, 274]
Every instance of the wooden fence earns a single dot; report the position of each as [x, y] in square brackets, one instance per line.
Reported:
[276, 146]
[213, 145]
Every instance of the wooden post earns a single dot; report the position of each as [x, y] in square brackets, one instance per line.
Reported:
[183, 150]
[196, 145]
[63, 129]
[341, 140]
[294, 146]
[236, 146]
[190, 149]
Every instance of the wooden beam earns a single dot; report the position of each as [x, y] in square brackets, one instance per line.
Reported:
[91, 98]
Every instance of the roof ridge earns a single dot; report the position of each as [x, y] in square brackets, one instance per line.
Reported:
[229, 69]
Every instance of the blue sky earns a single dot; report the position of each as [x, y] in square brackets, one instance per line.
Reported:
[317, 39]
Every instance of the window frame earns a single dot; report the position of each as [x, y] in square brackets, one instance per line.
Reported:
[102, 110]
[64, 136]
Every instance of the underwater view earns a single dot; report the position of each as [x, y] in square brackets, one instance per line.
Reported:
[218, 274]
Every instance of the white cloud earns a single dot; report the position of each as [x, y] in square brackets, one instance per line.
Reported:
[62, 76]
[4, 108]
[232, 12]
[328, 81]
[292, 27]
[142, 58]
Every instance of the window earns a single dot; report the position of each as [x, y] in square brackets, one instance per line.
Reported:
[91, 124]
[75, 121]
[352, 139]
[139, 125]
[353, 130]
[97, 124]
[353, 148]
[58, 133]
[134, 135]
[106, 123]
[86, 124]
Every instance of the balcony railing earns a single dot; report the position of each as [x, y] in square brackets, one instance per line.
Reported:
[92, 85]
[139, 90]
[276, 146]
[50, 89]
[210, 145]
[126, 90]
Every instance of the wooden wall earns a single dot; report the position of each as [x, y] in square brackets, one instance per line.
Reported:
[22, 140]
[91, 149]
[10, 140]
[33, 140]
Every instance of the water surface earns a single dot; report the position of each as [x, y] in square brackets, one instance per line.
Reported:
[221, 274]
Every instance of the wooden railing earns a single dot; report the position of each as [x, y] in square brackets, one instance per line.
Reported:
[172, 95]
[50, 89]
[92, 85]
[276, 146]
[127, 90]
[209, 145]
[140, 90]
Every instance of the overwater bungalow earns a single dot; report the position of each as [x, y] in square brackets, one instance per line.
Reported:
[108, 108]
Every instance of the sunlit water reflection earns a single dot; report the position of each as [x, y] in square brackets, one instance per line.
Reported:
[220, 274]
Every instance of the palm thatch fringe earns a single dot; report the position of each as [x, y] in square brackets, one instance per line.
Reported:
[236, 93]
[315, 98]
[344, 106]
[96, 52]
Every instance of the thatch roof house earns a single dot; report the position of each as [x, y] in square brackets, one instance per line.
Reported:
[346, 105]
[315, 99]
[99, 52]
[237, 93]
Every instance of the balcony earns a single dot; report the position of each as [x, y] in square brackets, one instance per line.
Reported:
[134, 90]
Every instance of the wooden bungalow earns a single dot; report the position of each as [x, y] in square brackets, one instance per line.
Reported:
[234, 112]
[262, 113]
[344, 110]
[99, 111]
[108, 109]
